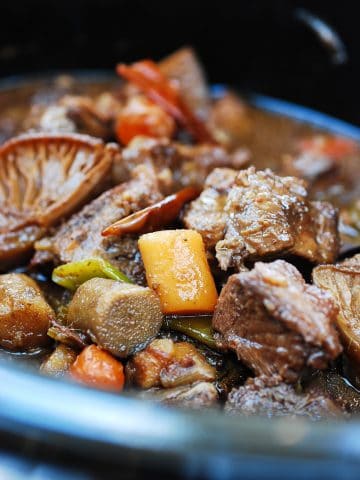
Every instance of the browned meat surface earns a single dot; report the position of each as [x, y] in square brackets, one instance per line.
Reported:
[168, 364]
[184, 68]
[259, 214]
[197, 396]
[268, 398]
[206, 214]
[342, 281]
[230, 120]
[44, 178]
[178, 165]
[270, 215]
[80, 237]
[275, 322]
[93, 116]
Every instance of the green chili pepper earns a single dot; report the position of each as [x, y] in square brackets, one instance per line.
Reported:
[72, 275]
[197, 327]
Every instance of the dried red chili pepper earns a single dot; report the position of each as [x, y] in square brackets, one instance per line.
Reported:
[148, 77]
[153, 217]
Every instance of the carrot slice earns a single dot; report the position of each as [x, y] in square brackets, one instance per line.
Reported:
[96, 368]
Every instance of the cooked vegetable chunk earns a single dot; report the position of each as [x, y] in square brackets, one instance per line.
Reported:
[72, 275]
[24, 313]
[59, 362]
[177, 269]
[119, 317]
[96, 368]
[198, 327]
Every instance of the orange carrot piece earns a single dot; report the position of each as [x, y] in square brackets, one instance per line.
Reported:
[96, 368]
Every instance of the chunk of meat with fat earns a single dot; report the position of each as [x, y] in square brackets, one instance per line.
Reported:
[184, 68]
[80, 237]
[268, 398]
[177, 165]
[167, 364]
[76, 114]
[206, 214]
[275, 322]
[262, 215]
[196, 396]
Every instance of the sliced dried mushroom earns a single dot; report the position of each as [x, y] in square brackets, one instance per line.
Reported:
[43, 178]
[343, 282]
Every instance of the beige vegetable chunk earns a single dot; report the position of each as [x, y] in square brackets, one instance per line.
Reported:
[119, 317]
[59, 362]
[25, 315]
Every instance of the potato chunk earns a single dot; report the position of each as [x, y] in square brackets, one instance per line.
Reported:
[24, 313]
[119, 317]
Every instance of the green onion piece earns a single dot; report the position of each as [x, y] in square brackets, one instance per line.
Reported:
[72, 275]
[197, 327]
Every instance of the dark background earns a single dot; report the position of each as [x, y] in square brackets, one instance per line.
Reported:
[256, 45]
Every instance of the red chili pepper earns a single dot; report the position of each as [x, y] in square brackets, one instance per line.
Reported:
[147, 76]
[330, 146]
[153, 217]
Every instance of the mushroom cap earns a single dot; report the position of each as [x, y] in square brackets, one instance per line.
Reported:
[43, 178]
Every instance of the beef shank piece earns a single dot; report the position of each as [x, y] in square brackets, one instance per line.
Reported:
[263, 216]
[184, 68]
[268, 398]
[275, 322]
[178, 165]
[80, 237]
[44, 178]
[207, 214]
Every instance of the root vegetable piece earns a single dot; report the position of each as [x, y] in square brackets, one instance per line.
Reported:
[59, 362]
[119, 317]
[96, 368]
[177, 269]
[24, 314]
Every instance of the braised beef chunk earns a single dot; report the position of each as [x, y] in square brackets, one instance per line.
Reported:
[76, 114]
[268, 398]
[197, 396]
[80, 237]
[206, 214]
[275, 322]
[269, 215]
[178, 165]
